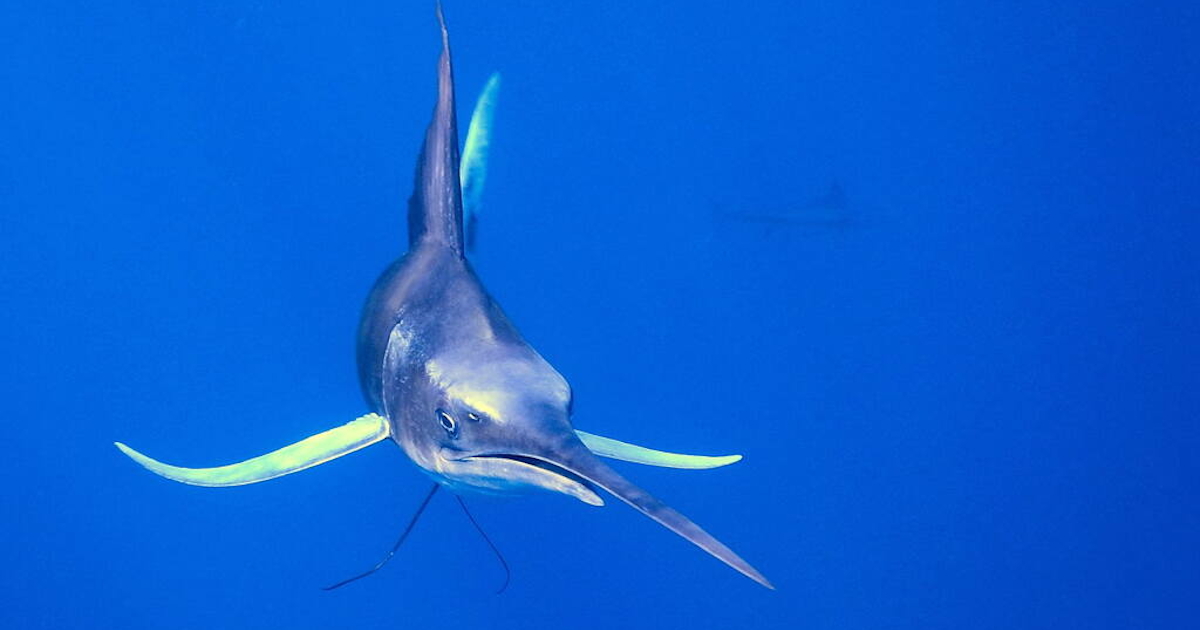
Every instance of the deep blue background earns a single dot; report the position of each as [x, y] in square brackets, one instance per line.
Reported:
[976, 406]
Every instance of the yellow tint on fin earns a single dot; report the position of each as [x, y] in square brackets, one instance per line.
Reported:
[614, 449]
[306, 453]
[473, 165]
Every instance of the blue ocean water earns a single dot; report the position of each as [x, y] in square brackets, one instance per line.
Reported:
[970, 401]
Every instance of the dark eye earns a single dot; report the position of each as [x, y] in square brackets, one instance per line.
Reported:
[448, 423]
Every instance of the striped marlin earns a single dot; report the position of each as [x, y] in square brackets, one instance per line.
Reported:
[448, 377]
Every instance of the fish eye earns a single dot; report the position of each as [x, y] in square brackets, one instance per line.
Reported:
[448, 423]
[472, 417]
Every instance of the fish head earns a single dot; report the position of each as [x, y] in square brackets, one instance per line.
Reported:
[497, 419]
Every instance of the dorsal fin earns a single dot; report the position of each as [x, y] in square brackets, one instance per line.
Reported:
[435, 209]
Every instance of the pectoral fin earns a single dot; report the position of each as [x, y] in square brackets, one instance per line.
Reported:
[306, 453]
[614, 449]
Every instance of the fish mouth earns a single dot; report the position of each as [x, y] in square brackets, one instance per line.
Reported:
[574, 470]
[552, 476]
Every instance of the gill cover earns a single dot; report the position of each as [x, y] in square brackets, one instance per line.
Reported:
[306, 453]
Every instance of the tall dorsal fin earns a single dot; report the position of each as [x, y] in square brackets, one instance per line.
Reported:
[435, 209]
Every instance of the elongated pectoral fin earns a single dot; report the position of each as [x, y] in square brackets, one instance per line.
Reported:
[306, 453]
[614, 449]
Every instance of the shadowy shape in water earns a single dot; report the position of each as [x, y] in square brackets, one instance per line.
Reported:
[830, 209]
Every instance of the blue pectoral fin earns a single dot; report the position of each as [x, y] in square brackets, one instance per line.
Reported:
[473, 168]
[615, 449]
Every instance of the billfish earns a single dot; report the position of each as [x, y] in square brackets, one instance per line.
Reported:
[449, 379]
[830, 209]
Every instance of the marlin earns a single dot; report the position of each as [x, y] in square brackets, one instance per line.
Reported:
[827, 210]
[448, 378]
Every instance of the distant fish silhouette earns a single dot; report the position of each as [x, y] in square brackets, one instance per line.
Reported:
[829, 209]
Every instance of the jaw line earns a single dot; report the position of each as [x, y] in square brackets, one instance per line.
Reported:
[583, 488]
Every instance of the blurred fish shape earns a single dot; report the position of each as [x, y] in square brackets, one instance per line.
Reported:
[829, 209]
